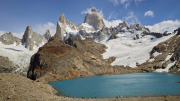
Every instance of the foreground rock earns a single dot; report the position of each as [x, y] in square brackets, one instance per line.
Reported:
[9, 39]
[59, 60]
[6, 66]
[15, 87]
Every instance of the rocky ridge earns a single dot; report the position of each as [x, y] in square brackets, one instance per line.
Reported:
[73, 58]
[167, 59]
[9, 39]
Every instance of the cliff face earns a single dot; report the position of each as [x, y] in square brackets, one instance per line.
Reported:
[61, 25]
[59, 60]
[94, 19]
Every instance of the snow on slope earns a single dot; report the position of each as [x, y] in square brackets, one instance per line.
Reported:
[18, 55]
[166, 69]
[88, 28]
[128, 51]
[71, 31]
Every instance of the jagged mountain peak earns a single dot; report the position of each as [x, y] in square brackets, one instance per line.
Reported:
[47, 35]
[62, 18]
[93, 9]
[94, 19]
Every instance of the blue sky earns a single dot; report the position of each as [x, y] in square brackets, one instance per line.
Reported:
[158, 15]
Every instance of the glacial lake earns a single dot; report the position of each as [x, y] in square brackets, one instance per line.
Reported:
[126, 85]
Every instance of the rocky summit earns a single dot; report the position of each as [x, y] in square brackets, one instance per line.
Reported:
[32, 39]
[47, 35]
[61, 25]
[94, 18]
[9, 39]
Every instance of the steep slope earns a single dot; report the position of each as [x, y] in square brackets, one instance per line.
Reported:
[59, 60]
[165, 56]
[6, 66]
[131, 47]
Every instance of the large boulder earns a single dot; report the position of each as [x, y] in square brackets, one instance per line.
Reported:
[31, 39]
[8, 39]
[61, 27]
[47, 35]
[94, 18]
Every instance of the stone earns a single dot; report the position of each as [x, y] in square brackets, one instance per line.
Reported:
[47, 35]
[94, 18]
[9, 39]
[61, 27]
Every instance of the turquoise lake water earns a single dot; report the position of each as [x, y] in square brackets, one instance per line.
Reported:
[126, 85]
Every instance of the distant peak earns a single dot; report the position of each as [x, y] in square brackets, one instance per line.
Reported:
[28, 27]
[47, 31]
[93, 9]
[62, 18]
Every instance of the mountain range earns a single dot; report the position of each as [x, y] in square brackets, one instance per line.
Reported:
[90, 49]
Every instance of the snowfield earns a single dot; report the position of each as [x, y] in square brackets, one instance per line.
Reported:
[129, 51]
[18, 55]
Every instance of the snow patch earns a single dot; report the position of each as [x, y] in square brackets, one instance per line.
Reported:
[166, 69]
[18, 55]
[156, 54]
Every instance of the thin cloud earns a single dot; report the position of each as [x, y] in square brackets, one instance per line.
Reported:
[131, 18]
[126, 3]
[112, 23]
[163, 26]
[112, 15]
[149, 13]
[88, 10]
[42, 28]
